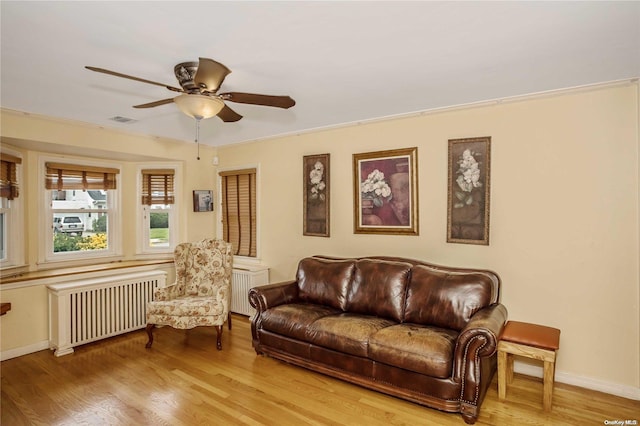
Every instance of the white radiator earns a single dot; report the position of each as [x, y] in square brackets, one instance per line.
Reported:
[242, 281]
[96, 308]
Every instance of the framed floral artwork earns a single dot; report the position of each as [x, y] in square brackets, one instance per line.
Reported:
[468, 190]
[316, 195]
[385, 192]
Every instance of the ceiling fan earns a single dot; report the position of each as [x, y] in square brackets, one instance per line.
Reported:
[199, 97]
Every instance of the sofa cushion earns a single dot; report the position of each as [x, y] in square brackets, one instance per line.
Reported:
[324, 281]
[348, 333]
[445, 299]
[378, 288]
[293, 319]
[423, 349]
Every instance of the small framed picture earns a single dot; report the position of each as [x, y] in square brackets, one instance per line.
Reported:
[202, 201]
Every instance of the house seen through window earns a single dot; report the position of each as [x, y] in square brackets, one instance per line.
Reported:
[81, 208]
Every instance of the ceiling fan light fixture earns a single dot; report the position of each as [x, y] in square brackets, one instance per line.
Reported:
[199, 106]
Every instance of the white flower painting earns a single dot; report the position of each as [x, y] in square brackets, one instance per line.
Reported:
[468, 191]
[317, 184]
[468, 178]
[316, 195]
[376, 188]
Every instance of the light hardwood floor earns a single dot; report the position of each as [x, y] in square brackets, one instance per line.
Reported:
[184, 380]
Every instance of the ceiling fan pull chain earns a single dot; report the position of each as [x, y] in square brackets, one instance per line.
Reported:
[198, 136]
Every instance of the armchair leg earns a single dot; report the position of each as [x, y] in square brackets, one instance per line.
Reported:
[150, 334]
[219, 337]
[229, 320]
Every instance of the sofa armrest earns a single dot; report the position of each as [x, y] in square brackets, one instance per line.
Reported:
[268, 296]
[476, 344]
[487, 324]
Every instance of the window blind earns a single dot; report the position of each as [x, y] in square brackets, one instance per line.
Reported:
[239, 210]
[8, 176]
[62, 176]
[157, 186]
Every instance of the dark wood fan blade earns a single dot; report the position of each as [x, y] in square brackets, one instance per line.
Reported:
[255, 99]
[210, 74]
[155, 104]
[117, 74]
[228, 115]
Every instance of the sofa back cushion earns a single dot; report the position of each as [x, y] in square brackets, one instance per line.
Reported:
[325, 282]
[379, 288]
[445, 299]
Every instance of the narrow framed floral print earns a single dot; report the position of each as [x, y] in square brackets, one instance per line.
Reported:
[316, 200]
[385, 192]
[468, 192]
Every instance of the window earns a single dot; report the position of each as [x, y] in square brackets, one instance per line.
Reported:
[10, 208]
[159, 217]
[82, 214]
[239, 210]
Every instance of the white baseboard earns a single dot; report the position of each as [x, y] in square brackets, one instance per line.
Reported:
[580, 381]
[25, 350]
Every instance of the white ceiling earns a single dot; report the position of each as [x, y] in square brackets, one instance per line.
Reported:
[342, 62]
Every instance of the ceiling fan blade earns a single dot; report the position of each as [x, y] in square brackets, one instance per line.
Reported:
[228, 115]
[117, 74]
[255, 99]
[155, 104]
[210, 74]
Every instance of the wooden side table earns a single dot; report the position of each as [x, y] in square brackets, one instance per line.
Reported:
[532, 341]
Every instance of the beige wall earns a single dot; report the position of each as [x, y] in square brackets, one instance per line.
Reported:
[564, 212]
[33, 136]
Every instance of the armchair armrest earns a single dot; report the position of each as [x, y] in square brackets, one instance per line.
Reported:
[167, 293]
[268, 296]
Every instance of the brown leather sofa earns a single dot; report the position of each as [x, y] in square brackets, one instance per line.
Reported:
[411, 329]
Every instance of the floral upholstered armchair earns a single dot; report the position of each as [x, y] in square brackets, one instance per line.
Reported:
[200, 296]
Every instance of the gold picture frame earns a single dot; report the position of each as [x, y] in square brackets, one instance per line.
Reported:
[468, 193]
[385, 192]
[316, 199]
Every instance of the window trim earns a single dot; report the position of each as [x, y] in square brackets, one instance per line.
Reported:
[16, 232]
[142, 228]
[46, 254]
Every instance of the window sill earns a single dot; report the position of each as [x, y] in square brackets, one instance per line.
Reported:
[16, 278]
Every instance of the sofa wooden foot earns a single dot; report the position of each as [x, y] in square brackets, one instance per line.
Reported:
[469, 419]
[150, 334]
[469, 413]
